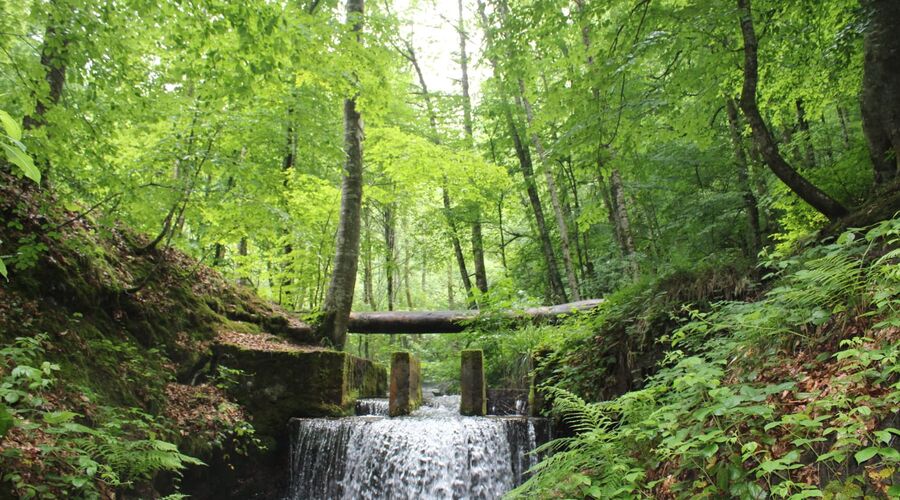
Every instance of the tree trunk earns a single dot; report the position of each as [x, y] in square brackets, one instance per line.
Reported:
[410, 55]
[406, 287]
[881, 87]
[477, 239]
[743, 177]
[242, 251]
[608, 201]
[368, 292]
[557, 291]
[389, 247]
[457, 246]
[478, 256]
[845, 132]
[502, 237]
[451, 300]
[464, 66]
[810, 152]
[339, 298]
[565, 246]
[53, 61]
[808, 192]
[622, 222]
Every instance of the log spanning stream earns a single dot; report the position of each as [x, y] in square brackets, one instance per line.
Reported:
[432, 454]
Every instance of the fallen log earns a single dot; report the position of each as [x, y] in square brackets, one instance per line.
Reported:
[441, 321]
[452, 321]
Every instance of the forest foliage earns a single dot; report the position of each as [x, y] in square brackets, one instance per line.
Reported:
[673, 157]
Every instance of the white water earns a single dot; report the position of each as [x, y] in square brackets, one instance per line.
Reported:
[433, 454]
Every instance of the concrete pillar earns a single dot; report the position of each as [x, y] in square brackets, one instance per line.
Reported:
[472, 388]
[406, 384]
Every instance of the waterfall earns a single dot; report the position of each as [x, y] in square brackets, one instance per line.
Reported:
[372, 406]
[434, 453]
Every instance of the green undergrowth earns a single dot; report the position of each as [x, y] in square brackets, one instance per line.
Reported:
[793, 393]
[105, 381]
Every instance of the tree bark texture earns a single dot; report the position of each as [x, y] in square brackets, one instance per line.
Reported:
[339, 298]
[881, 87]
[768, 148]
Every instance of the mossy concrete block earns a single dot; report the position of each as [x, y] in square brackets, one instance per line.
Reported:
[472, 387]
[368, 379]
[406, 384]
[278, 385]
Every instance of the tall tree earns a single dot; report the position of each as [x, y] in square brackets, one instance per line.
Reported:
[409, 52]
[546, 165]
[765, 142]
[339, 298]
[881, 87]
[477, 237]
[556, 291]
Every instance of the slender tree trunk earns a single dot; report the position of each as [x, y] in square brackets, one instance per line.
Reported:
[565, 245]
[881, 87]
[287, 164]
[339, 298]
[410, 55]
[502, 237]
[808, 192]
[809, 158]
[478, 254]
[457, 246]
[409, 303]
[451, 300]
[477, 239]
[845, 132]
[618, 194]
[750, 205]
[368, 295]
[242, 251]
[389, 251]
[557, 291]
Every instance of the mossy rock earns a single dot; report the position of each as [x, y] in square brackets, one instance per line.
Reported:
[279, 385]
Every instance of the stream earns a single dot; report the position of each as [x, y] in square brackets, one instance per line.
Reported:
[435, 453]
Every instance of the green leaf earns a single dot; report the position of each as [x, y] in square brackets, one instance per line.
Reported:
[3, 271]
[20, 158]
[58, 417]
[11, 126]
[865, 454]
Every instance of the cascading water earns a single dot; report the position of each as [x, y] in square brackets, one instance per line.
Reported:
[434, 453]
[372, 406]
